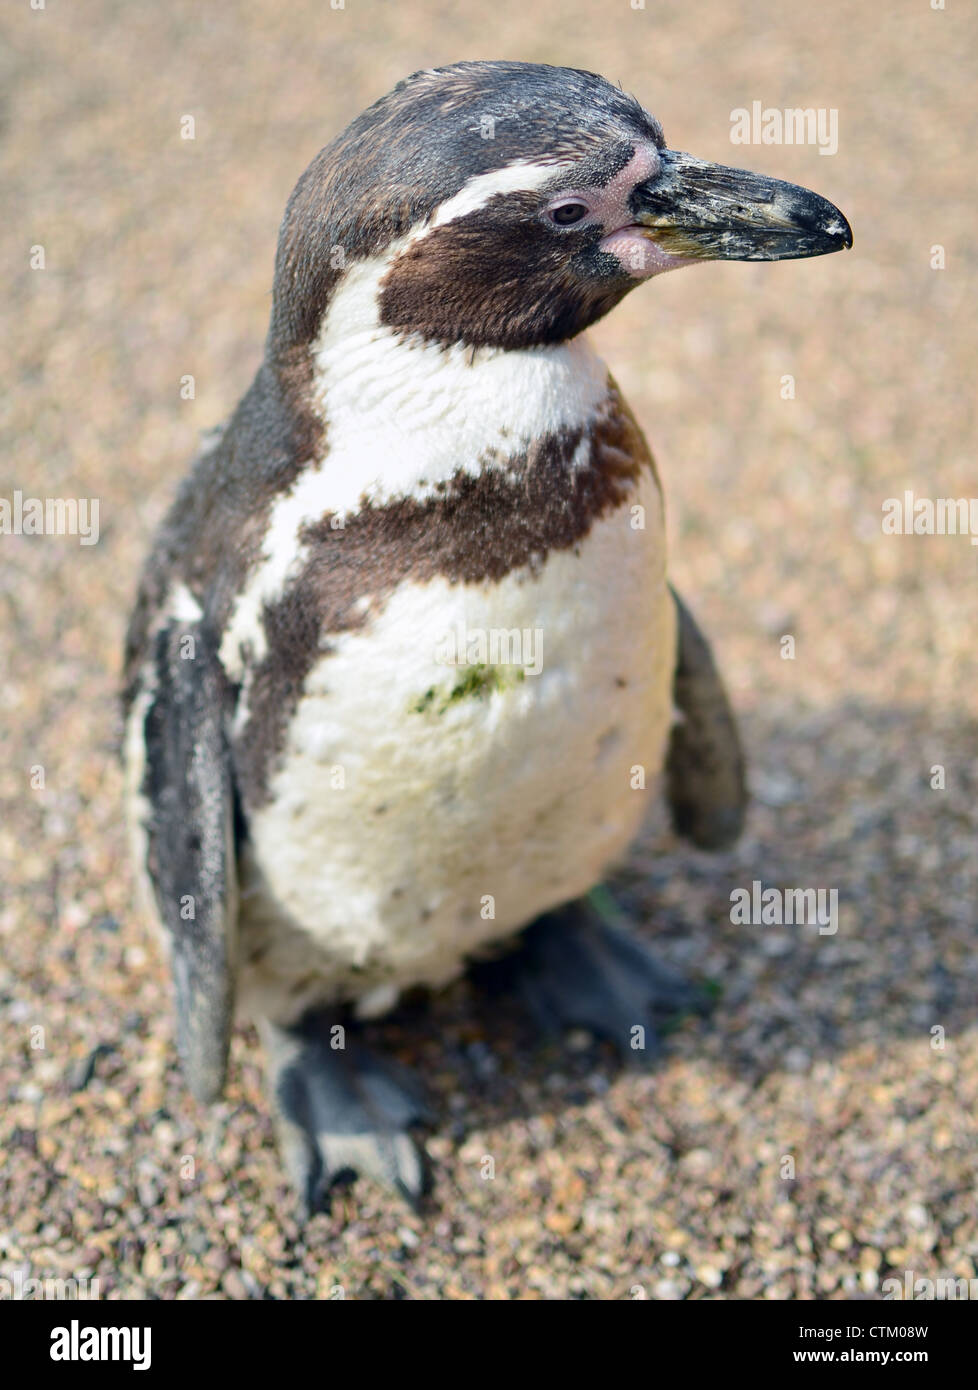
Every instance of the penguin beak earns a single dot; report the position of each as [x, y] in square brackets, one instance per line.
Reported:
[699, 211]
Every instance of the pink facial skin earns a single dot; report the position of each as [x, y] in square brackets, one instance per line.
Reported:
[638, 256]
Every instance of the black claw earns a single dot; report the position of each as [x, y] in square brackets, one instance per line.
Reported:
[575, 970]
[340, 1113]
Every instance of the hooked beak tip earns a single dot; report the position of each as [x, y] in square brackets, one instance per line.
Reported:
[702, 211]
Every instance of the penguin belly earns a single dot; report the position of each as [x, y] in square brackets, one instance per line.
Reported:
[424, 807]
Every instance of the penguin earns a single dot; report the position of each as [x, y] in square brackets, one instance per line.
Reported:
[405, 664]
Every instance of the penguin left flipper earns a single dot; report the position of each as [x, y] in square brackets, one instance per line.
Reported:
[190, 848]
[340, 1111]
[705, 778]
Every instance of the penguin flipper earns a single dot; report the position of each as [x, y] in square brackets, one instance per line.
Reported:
[191, 844]
[705, 776]
[339, 1111]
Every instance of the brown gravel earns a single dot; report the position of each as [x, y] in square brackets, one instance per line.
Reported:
[608, 1185]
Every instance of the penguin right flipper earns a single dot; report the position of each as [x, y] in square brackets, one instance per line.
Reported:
[190, 848]
[705, 777]
[339, 1111]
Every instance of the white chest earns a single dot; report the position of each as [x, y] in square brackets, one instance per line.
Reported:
[423, 808]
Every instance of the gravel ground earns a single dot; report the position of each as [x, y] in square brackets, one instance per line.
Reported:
[820, 1049]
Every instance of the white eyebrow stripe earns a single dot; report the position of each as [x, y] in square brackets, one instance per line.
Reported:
[523, 176]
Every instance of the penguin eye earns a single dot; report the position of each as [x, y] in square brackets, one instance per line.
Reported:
[565, 214]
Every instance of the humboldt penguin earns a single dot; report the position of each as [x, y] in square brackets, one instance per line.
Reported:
[405, 665]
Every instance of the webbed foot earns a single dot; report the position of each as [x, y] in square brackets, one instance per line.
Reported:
[578, 968]
[340, 1111]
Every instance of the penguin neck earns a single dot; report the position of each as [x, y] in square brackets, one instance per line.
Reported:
[403, 416]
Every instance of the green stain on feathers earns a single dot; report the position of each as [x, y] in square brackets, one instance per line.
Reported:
[476, 682]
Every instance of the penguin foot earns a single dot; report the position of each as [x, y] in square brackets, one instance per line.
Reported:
[577, 968]
[340, 1112]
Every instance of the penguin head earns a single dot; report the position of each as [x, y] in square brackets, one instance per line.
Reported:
[512, 205]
